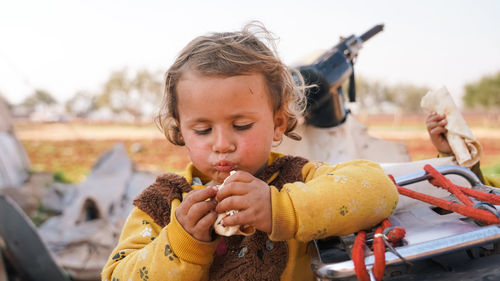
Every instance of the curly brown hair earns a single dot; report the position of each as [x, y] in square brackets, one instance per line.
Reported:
[230, 54]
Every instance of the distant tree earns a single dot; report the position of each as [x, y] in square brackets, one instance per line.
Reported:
[5, 101]
[137, 95]
[116, 90]
[484, 93]
[369, 94]
[406, 97]
[148, 86]
[81, 104]
[39, 97]
[375, 95]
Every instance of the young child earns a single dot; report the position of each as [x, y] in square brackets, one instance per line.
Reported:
[228, 98]
[436, 128]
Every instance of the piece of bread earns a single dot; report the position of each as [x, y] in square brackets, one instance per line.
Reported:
[464, 145]
[219, 227]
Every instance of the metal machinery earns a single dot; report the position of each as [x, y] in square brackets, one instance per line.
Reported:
[439, 245]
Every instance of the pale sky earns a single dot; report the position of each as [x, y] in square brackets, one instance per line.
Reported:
[64, 46]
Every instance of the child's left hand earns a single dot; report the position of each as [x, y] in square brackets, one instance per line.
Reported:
[251, 197]
[436, 128]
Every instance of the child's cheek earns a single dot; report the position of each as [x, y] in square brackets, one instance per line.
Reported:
[197, 147]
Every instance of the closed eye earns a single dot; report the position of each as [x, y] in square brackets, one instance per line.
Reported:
[243, 127]
[202, 132]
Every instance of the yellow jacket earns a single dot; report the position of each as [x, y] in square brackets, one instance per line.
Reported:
[328, 201]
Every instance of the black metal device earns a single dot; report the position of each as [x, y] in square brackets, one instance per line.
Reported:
[326, 105]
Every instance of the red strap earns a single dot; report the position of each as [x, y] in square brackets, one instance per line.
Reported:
[478, 214]
[379, 253]
[397, 233]
[358, 257]
[482, 196]
[358, 251]
[437, 179]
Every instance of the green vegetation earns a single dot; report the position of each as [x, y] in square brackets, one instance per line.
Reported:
[41, 215]
[37, 98]
[379, 96]
[60, 176]
[492, 170]
[484, 93]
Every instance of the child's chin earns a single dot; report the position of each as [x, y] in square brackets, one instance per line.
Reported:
[219, 177]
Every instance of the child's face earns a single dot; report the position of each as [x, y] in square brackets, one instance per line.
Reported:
[227, 123]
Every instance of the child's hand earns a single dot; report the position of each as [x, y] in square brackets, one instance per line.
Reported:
[196, 213]
[251, 197]
[435, 126]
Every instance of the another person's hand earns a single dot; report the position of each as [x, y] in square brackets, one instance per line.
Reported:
[436, 128]
[196, 213]
[248, 195]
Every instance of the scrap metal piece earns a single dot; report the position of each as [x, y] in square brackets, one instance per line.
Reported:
[24, 249]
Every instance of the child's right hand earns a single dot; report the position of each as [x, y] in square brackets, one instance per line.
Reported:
[196, 213]
[436, 128]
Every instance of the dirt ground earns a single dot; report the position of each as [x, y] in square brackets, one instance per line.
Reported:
[74, 147]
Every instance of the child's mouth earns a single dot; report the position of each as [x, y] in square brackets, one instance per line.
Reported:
[224, 166]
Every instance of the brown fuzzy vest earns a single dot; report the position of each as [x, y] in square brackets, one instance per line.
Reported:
[252, 257]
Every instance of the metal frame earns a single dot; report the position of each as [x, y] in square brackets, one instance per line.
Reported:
[428, 234]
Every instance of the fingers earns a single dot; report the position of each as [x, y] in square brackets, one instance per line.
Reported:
[438, 130]
[201, 228]
[232, 189]
[248, 195]
[196, 213]
[434, 116]
[240, 176]
[199, 195]
[197, 203]
[240, 218]
[207, 221]
[232, 203]
[260, 218]
[201, 209]
[435, 121]
[237, 184]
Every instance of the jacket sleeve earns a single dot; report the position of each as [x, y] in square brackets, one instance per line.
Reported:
[146, 251]
[332, 201]
[492, 180]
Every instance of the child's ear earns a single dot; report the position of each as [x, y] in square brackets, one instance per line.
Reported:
[280, 124]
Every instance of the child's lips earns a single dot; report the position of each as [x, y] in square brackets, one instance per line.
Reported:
[224, 166]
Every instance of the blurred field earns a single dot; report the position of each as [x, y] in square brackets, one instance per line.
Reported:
[70, 149]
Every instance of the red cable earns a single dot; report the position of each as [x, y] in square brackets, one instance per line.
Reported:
[358, 257]
[482, 196]
[379, 253]
[437, 179]
[477, 214]
[398, 233]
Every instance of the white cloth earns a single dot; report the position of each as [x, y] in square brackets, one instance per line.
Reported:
[464, 145]
[347, 141]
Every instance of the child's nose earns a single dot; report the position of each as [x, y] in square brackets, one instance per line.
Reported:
[223, 142]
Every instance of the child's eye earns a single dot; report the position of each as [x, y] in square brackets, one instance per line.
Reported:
[243, 127]
[202, 131]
